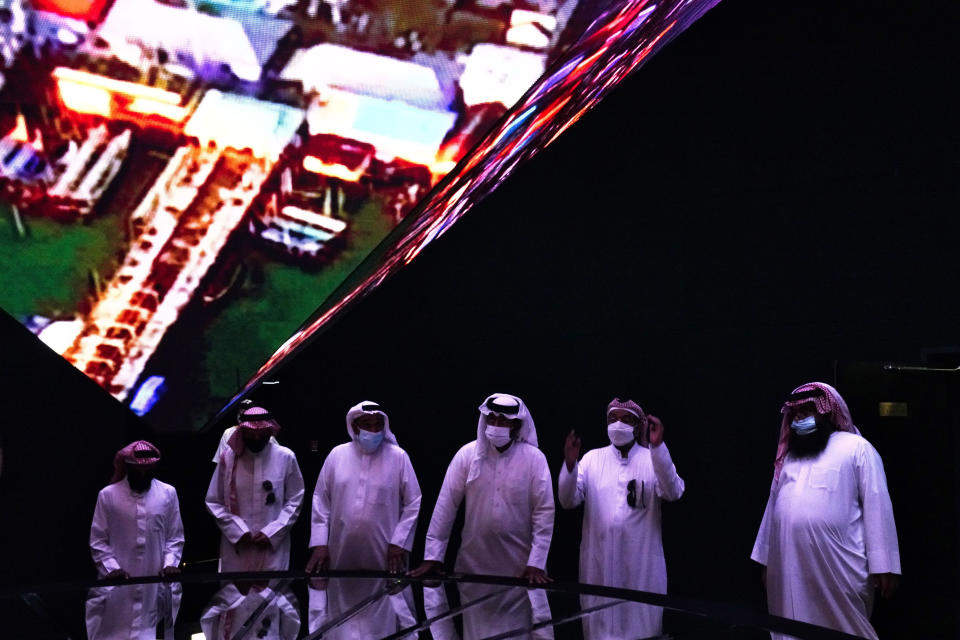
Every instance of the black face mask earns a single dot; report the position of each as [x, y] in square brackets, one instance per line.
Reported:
[139, 482]
[812, 444]
[255, 444]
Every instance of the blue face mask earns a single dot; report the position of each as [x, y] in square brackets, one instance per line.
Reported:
[805, 426]
[369, 440]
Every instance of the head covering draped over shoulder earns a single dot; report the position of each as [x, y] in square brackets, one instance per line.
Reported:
[369, 408]
[139, 452]
[511, 407]
[258, 419]
[634, 408]
[827, 401]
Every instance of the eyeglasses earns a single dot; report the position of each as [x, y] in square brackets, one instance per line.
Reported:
[271, 496]
[632, 494]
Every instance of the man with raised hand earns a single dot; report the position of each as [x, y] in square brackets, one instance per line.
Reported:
[622, 486]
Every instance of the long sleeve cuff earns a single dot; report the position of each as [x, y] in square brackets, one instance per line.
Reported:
[109, 564]
[402, 539]
[276, 531]
[567, 485]
[435, 550]
[662, 462]
[537, 558]
[234, 529]
[320, 536]
[883, 561]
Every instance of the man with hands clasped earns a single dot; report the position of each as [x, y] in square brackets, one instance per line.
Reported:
[622, 485]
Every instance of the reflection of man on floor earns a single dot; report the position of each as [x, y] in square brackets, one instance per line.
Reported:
[136, 532]
[622, 486]
[262, 610]
[828, 537]
[388, 609]
[490, 610]
[255, 494]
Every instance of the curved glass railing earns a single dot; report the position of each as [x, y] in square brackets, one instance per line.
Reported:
[370, 605]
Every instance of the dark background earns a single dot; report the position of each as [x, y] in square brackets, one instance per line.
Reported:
[772, 199]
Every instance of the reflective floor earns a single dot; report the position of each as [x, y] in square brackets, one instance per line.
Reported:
[283, 606]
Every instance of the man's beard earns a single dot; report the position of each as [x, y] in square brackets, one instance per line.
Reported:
[812, 444]
[139, 483]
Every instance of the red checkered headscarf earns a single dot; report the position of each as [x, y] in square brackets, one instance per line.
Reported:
[258, 419]
[140, 452]
[827, 401]
[635, 409]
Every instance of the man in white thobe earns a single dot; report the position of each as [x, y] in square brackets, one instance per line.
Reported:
[367, 499]
[828, 537]
[229, 431]
[621, 546]
[365, 509]
[255, 495]
[505, 480]
[136, 531]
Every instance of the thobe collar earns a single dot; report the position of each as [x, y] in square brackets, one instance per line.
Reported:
[633, 450]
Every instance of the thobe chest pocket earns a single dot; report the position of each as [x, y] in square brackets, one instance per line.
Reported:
[378, 495]
[155, 522]
[518, 494]
[827, 478]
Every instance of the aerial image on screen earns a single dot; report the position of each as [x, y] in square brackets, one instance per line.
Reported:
[183, 184]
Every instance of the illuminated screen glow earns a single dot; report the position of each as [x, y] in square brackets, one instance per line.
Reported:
[216, 175]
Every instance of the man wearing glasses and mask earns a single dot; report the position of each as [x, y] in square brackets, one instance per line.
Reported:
[255, 495]
[622, 485]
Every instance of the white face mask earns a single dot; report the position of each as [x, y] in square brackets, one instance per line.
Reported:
[805, 426]
[498, 436]
[620, 433]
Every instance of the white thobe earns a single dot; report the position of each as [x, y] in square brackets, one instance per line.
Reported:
[277, 464]
[140, 533]
[509, 511]
[827, 527]
[364, 502]
[621, 546]
[382, 617]
[230, 610]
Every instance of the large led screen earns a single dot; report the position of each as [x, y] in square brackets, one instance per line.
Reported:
[183, 183]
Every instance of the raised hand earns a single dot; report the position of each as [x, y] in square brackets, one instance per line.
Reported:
[571, 449]
[655, 433]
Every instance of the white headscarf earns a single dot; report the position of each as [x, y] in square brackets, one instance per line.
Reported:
[372, 409]
[527, 432]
